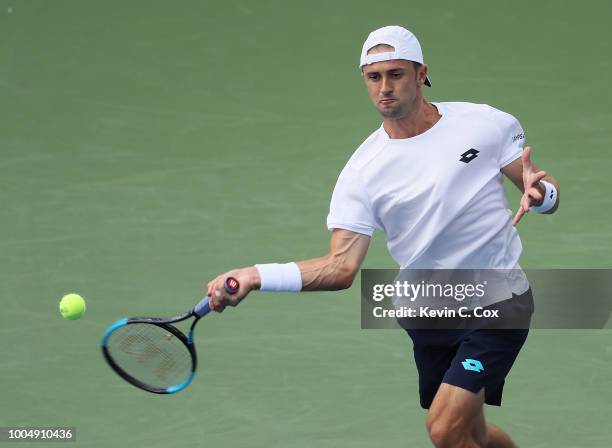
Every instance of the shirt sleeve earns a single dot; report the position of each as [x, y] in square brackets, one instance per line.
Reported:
[350, 207]
[512, 137]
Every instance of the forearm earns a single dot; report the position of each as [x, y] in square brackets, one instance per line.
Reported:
[339, 267]
[332, 272]
[325, 274]
[328, 273]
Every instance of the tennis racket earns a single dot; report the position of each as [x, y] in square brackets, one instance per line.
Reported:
[154, 355]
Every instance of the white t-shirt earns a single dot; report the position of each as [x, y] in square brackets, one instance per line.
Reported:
[437, 197]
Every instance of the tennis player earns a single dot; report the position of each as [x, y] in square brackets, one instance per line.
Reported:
[430, 179]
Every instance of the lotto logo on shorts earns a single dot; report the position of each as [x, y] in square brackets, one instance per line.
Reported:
[473, 365]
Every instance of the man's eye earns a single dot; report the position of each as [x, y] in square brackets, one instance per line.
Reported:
[396, 75]
[373, 77]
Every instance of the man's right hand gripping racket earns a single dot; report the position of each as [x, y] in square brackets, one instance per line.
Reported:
[153, 354]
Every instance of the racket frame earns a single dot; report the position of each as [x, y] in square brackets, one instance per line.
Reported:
[200, 310]
[166, 324]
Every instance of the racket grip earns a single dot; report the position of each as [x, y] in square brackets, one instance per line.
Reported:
[203, 308]
[231, 286]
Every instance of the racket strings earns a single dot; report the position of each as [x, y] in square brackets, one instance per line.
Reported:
[151, 354]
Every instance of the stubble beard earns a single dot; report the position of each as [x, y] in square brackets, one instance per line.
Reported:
[394, 113]
[399, 109]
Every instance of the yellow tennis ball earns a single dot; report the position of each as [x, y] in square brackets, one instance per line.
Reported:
[72, 306]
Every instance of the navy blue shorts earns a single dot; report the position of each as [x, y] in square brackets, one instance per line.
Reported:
[471, 358]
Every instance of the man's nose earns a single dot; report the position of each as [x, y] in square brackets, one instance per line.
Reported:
[386, 87]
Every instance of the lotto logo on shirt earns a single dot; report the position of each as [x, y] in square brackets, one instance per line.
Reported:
[469, 155]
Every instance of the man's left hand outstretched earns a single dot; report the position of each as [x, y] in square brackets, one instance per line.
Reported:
[533, 190]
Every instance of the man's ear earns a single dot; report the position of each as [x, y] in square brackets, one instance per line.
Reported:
[422, 74]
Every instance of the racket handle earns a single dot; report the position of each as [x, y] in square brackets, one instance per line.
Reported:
[202, 308]
[231, 286]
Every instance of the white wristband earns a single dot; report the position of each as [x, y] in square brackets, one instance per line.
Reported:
[280, 277]
[550, 199]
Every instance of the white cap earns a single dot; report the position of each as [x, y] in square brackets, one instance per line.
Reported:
[406, 46]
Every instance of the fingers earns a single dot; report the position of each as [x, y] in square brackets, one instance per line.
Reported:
[524, 205]
[531, 188]
[216, 301]
[534, 193]
[530, 194]
[537, 177]
[519, 214]
[219, 298]
[526, 156]
[212, 289]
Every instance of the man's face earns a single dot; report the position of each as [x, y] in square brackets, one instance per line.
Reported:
[392, 86]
